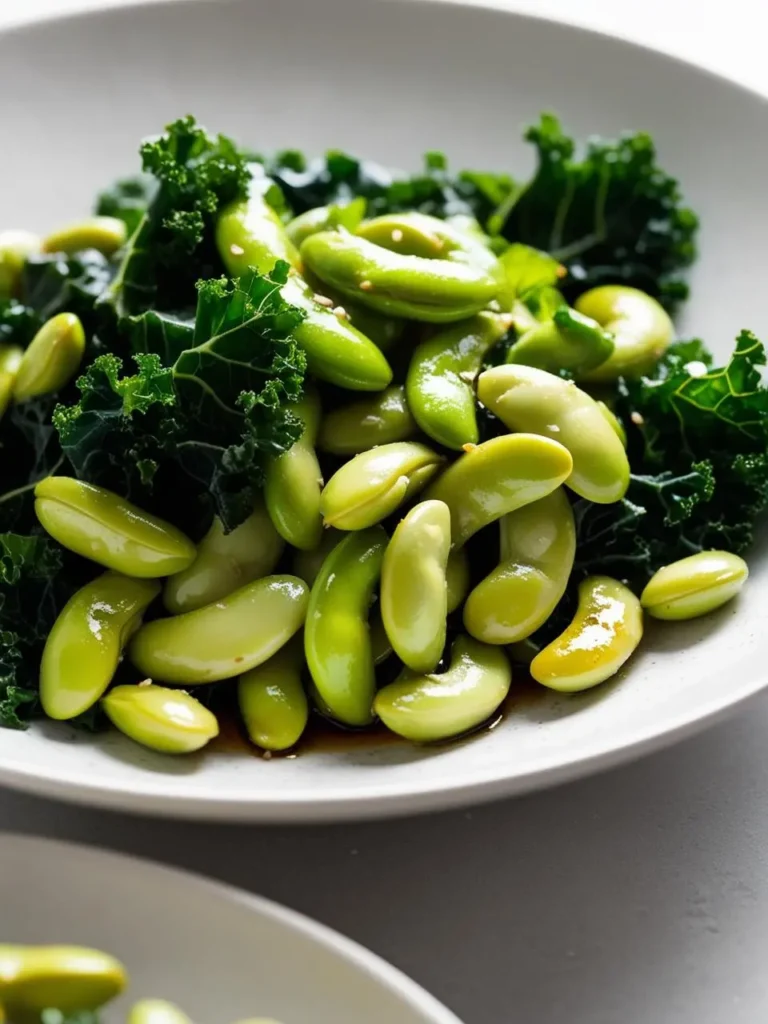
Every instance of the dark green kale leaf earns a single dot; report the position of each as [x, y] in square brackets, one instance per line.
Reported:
[54, 283]
[127, 199]
[612, 217]
[18, 323]
[173, 245]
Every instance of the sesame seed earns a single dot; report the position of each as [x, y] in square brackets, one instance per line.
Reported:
[267, 755]
[236, 250]
[323, 300]
[341, 313]
[468, 447]
[365, 286]
[637, 419]
[145, 682]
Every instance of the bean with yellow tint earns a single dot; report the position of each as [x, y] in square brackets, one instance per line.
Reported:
[273, 704]
[106, 234]
[529, 399]
[156, 1011]
[225, 561]
[84, 647]
[414, 591]
[426, 708]
[411, 233]
[69, 978]
[695, 585]
[337, 641]
[52, 358]
[537, 549]
[605, 631]
[641, 328]
[15, 247]
[104, 527]
[224, 639]
[569, 341]
[373, 484]
[294, 482]
[367, 423]
[169, 721]
[496, 477]
[325, 218]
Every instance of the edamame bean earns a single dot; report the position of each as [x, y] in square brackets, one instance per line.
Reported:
[606, 629]
[51, 359]
[85, 645]
[272, 700]
[169, 721]
[641, 329]
[381, 645]
[441, 376]
[326, 218]
[251, 235]
[417, 234]
[457, 578]
[70, 978]
[337, 641]
[526, 398]
[414, 592]
[15, 247]
[496, 477]
[224, 639]
[104, 527]
[569, 341]
[538, 545]
[435, 707]
[106, 234]
[225, 561]
[616, 425]
[436, 291]
[10, 358]
[383, 331]
[694, 585]
[156, 1011]
[294, 482]
[380, 419]
[373, 484]
[307, 564]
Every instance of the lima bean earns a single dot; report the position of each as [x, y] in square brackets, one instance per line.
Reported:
[326, 218]
[441, 375]
[529, 399]
[85, 645]
[106, 234]
[156, 1011]
[538, 545]
[104, 527]
[52, 358]
[569, 341]
[169, 721]
[337, 641]
[251, 236]
[434, 707]
[436, 291]
[616, 425]
[694, 585]
[10, 358]
[498, 476]
[307, 564]
[641, 329]
[414, 591]
[606, 629]
[223, 639]
[294, 481]
[225, 561]
[15, 247]
[367, 423]
[411, 233]
[70, 978]
[273, 703]
[373, 484]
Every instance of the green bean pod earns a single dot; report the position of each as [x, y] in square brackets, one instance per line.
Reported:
[156, 1011]
[538, 546]
[414, 591]
[69, 978]
[337, 641]
[294, 482]
[224, 639]
[373, 484]
[433, 290]
[496, 477]
[569, 341]
[52, 358]
[106, 234]
[427, 708]
[85, 645]
[695, 585]
[15, 247]
[169, 721]
[411, 233]
[102, 526]
[367, 423]
[225, 562]
[606, 629]
[641, 329]
[250, 235]
[273, 704]
[529, 399]
[441, 375]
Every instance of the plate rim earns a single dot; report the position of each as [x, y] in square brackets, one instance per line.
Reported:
[362, 958]
[381, 800]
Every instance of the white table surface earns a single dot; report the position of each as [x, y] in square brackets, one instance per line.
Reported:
[635, 897]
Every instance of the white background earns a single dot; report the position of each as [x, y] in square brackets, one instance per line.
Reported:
[637, 897]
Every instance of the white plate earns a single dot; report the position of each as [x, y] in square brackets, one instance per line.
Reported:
[221, 954]
[389, 80]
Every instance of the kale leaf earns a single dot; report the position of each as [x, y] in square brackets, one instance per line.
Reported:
[127, 199]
